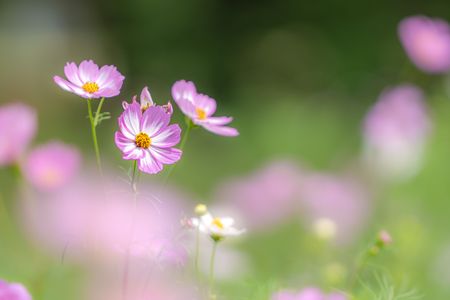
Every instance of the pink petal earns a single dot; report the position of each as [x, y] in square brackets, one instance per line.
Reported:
[146, 98]
[184, 90]
[166, 155]
[154, 120]
[70, 87]
[128, 147]
[218, 120]
[205, 103]
[148, 164]
[71, 72]
[129, 120]
[221, 130]
[88, 71]
[168, 137]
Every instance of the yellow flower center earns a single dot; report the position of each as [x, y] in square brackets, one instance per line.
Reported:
[218, 223]
[145, 107]
[90, 87]
[201, 114]
[143, 140]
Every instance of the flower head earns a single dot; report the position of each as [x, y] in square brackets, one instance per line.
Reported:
[200, 109]
[146, 101]
[147, 137]
[395, 132]
[427, 43]
[51, 166]
[13, 291]
[88, 81]
[18, 123]
[216, 228]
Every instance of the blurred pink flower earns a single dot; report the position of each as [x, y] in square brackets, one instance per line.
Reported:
[146, 101]
[88, 81]
[51, 166]
[200, 108]
[267, 197]
[338, 199]
[13, 291]
[307, 294]
[395, 131]
[147, 137]
[427, 42]
[102, 220]
[19, 123]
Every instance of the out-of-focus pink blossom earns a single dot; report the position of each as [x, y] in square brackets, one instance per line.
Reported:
[51, 166]
[339, 199]
[89, 219]
[427, 42]
[200, 109]
[266, 198]
[308, 294]
[13, 291]
[147, 137]
[395, 131]
[90, 82]
[18, 123]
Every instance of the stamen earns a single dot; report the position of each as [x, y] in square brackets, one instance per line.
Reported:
[201, 114]
[90, 87]
[143, 140]
[218, 223]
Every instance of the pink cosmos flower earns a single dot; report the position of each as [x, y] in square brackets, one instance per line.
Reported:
[147, 137]
[90, 82]
[18, 122]
[308, 294]
[51, 166]
[427, 43]
[13, 291]
[97, 221]
[146, 101]
[200, 108]
[395, 132]
[342, 202]
[266, 198]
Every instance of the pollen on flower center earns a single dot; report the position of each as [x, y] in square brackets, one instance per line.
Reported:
[143, 140]
[201, 114]
[90, 87]
[218, 223]
[145, 107]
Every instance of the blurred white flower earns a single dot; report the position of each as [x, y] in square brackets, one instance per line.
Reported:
[217, 228]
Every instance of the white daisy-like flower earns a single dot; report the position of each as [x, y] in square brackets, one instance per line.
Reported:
[217, 228]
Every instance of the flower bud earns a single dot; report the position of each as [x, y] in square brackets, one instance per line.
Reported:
[200, 209]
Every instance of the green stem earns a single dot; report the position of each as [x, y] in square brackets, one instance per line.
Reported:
[94, 133]
[211, 270]
[133, 177]
[182, 144]
[197, 250]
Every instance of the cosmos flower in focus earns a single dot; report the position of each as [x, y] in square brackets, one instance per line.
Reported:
[90, 82]
[200, 109]
[308, 294]
[18, 123]
[147, 137]
[427, 43]
[146, 101]
[13, 291]
[395, 133]
[51, 166]
[216, 228]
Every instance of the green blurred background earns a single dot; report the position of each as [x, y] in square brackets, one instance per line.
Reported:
[298, 76]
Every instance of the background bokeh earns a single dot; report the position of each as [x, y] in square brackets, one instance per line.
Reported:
[297, 76]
